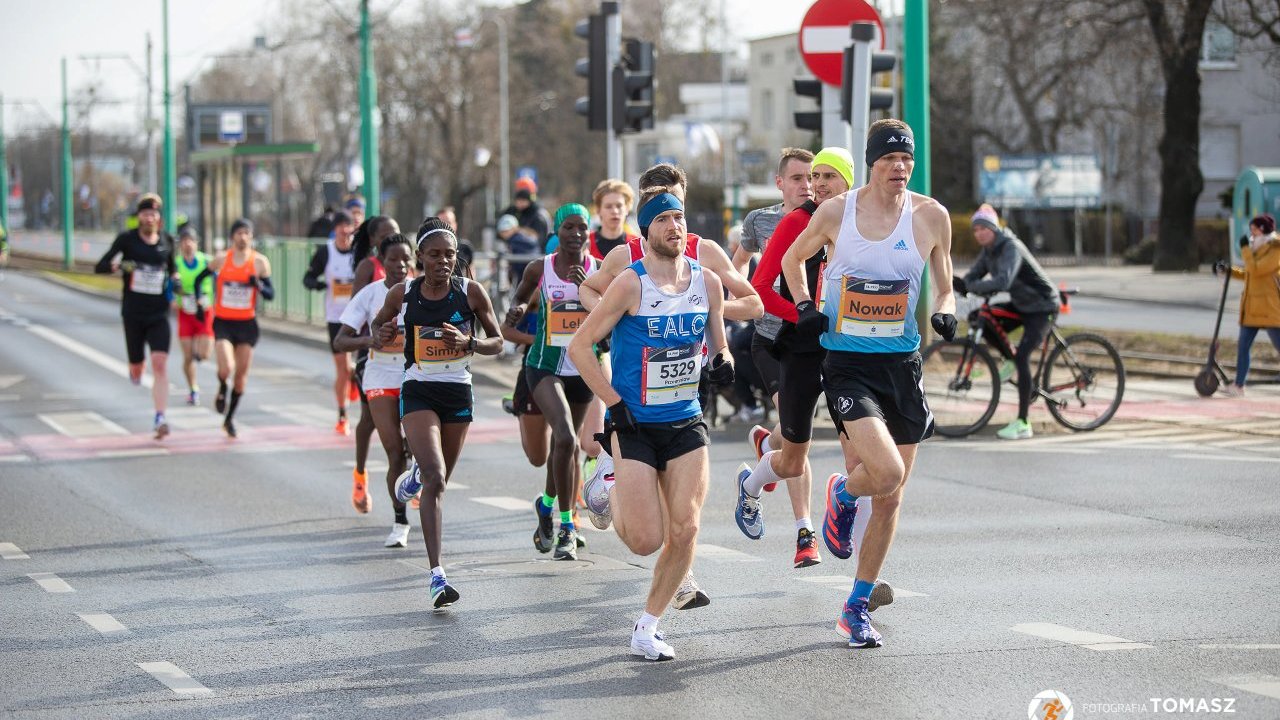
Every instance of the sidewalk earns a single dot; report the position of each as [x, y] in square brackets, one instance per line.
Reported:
[1138, 283]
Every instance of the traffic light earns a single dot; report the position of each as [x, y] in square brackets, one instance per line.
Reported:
[852, 90]
[595, 69]
[633, 88]
[809, 120]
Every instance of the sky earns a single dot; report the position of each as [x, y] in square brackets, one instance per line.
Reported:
[37, 34]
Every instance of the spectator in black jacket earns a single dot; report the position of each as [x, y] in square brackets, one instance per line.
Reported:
[533, 218]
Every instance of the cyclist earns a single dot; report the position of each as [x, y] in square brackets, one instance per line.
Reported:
[1033, 304]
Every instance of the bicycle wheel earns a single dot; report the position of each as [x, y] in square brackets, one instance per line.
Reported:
[1083, 382]
[961, 385]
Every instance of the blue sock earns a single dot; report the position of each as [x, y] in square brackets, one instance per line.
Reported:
[545, 504]
[566, 519]
[842, 494]
[861, 591]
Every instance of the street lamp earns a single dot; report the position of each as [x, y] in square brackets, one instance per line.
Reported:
[463, 39]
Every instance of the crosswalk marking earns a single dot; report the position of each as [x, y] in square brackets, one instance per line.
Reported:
[103, 623]
[717, 552]
[504, 503]
[8, 381]
[1083, 638]
[9, 551]
[304, 413]
[135, 452]
[845, 581]
[51, 583]
[1243, 646]
[187, 417]
[174, 678]
[1268, 685]
[82, 424]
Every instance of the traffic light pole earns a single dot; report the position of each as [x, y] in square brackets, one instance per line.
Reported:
[613, 55]
[834, 133]
[170, 193]
[68, 192]
[857, 77]
[368, 101]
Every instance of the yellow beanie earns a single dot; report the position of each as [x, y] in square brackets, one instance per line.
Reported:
[837, 158]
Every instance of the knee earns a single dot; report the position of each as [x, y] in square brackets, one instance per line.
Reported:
[645, 542]
[886, 477]
[788, 465]
[885, 506]
[683, 533]
[432, 481]
[564, 443]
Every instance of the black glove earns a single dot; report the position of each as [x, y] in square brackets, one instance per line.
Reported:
[199, 313]
[620, 418]
[945, 325]
[959, 286]
[1221, 267]
[1244, 241]
[811, 322]
[603, 346]
[721, 372]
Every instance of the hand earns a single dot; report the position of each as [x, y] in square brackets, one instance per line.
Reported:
[811, 322]
[1220, 266]
[253, 280]
[200, 311]
[721, 372]
[945, 325]
[960, 287]
[1244, 241]
[515, 314]
[386, 334]
[128, 266]
[577, 274]
[453, 338]
[620, 419]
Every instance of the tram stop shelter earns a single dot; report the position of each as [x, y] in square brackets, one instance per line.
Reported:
[224, 186]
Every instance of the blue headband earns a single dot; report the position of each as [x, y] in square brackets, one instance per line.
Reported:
[656, 206]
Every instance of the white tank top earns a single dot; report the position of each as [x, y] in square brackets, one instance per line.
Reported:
[562, 313]
[870, 288]
[339, 277]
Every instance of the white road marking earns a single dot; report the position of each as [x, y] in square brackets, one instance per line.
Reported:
[14, 458]
[371, 466]
[10, 398]
[505, 503]
[137, 452]
[1083, 638]
[305, 413]
[1244, 646]
[9, 551]
[187, 417]
[844, 581]
[174, 678]
[1008, 446]
[1231, 458]
[94, 356]
[457, 486]
[716, 552]
[8, 381]
[103, 623]
[51, 583]
[81, 424]
[1268, 685]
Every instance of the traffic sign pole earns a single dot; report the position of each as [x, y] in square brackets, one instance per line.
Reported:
[858, 78]
[834, 133]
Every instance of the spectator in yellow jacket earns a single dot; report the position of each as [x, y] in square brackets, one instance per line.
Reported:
[1260, 302]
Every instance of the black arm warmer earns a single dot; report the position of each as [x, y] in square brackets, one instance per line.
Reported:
[265, 287]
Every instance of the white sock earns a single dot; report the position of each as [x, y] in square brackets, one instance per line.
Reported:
[647, 624]
[761, 476]
[764, 444]
[861, 519]
[437, 571]
[805, 523]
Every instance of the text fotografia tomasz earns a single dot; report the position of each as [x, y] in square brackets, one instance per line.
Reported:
[1165, 705]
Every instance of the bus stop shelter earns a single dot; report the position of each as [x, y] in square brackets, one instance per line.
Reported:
[224, 186]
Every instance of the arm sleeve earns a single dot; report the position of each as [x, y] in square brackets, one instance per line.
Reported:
[314, 277]
[104, 265]
[1006, 268]
[265, 287]
[770, 266]
[750, 242]
[199, 283]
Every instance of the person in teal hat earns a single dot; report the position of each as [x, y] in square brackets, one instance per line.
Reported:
[553, 380]
[565, 211]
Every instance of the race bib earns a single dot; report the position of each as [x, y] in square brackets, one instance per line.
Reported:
[147, 280]
[563, 321]
[670, 375]
[433, 357]
[341, 289]
[189, 304]
[237, 296]
[392, 353]
[873, 308]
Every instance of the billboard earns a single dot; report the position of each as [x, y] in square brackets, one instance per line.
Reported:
[1040, 181]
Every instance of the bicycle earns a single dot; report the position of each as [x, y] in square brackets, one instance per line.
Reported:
[1081, 377]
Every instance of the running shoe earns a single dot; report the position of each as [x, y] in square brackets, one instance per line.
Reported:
[409, 484]
[837, 526]
[747, 512]
[881, 595]
[757, 436]
[855, 626]
[1017, 430]
[543, 536]
[651, 647]
[566, 544]
[193, 397]
[343, 427]
[442, 593]
[806, 549]
[509, 404]
[596, 492]
[353, 391]
[577, 523]
[229, 428]
[360, 499]
[220, 400]
[689, 596]
[161, 427]
[399, 536]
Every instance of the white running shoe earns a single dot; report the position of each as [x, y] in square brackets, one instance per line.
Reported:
[689, 596]
[651, 647]
[596, 494]
[399, 536]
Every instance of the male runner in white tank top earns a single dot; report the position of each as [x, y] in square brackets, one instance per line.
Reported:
[878, 238]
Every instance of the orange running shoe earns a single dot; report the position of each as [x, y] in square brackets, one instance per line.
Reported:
[342, 428]
[353, 392]
[360, 499]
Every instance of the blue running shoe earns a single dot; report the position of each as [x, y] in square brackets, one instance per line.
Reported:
[855, 626]
[837, 525]
[442, 593]
[409, 484]
[747, 513]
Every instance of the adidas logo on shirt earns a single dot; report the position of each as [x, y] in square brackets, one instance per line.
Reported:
[457, 317]
[902, 245]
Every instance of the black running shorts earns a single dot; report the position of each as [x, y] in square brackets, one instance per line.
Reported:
[801, 384]
[655, 444]
[148, 331]
[450, 401]
[236, 332]
[575, 388]
[522, 397]
[766, 363]
[887, 387]
[333, 335]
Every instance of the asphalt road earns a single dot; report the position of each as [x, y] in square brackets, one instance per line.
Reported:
[237, 572]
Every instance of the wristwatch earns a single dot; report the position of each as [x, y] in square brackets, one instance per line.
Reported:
[471, 344]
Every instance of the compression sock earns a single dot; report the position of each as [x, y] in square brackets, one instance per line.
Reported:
[545, 503]
[401, 517]
[235, 402]
[761, 476]
[566, 519]
[764, 445]
[861, 591]
[845, 497]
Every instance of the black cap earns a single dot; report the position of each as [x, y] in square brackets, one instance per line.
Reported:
[150, 201]
[342, 216]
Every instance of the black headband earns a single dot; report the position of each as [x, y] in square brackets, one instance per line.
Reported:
[890, 140]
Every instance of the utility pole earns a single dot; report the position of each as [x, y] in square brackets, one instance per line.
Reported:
[4, 178]
[170, 193]
[613, 55]
[151, 126]
[369, 101]
[68, 220]
[915, 105]
[504, 107]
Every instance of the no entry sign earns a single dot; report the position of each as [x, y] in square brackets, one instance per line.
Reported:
[824, 34]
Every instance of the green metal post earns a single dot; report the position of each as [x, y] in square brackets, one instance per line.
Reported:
[170, 193]
[915, 112]
[4, 178]
[68, 192]
[368, 101]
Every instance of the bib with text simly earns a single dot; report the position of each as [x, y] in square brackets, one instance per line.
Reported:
[873, 308]
[433, 357]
